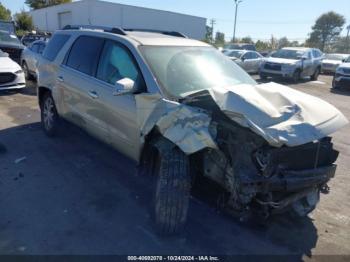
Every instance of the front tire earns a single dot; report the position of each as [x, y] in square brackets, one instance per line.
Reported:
[49, 115]
[296, 76]
[26, 72]
[315, 76]
[172, 192]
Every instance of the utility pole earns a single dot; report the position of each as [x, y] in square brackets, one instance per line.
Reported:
[237, 2]
[212, 22]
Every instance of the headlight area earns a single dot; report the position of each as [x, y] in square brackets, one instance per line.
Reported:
[19, 72]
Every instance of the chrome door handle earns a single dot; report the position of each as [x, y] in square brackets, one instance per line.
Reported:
[60, 79]
[93, 94]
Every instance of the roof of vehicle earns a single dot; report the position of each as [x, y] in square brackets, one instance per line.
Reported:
[298, 48]
[141, 36]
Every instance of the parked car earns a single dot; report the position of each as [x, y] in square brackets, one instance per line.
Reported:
[181, 110]
[293, 62]
[332, 61]
[10, 44]
[250, 61]
[30, 57]
[11, 74]
[8, 26]
[28, 39]
[240, 46]
[342, 75]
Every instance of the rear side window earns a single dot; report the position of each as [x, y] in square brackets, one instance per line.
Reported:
[84, 54]
[54, 46]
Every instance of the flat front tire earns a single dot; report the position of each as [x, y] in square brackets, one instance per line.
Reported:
[172, 192]
[49, 116]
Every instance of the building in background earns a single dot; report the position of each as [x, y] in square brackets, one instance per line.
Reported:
[101, 13]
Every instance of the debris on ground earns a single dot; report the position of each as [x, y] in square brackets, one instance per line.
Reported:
[19, 160]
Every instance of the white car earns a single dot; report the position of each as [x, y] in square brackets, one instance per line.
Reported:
[332, 61]
[250, 61]
[11, 74]
[342, 75]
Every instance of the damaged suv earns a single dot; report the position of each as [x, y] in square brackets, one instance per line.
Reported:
[183, 110]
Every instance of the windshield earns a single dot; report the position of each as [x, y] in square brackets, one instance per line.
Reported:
[288, 54]
[236, 54]
[185, 70]
[336, 57]
[5, 37]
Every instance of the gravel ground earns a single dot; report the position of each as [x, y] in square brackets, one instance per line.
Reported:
[74, 195]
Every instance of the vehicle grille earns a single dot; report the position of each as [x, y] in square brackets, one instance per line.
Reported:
[346, 71]
[271, 66]
[6, 78]
[14, 53]
[328, 65]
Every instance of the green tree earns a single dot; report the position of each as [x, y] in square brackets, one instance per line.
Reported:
[247, 40]
[326, 29]
[208, 34]
[37, 4]
[262, 46]
[23, 21]
[219, 39]
[283, 42]
[5, 14]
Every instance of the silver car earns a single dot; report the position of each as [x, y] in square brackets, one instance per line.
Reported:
[183, 111]
[294, 63]
[30, 57]
[332, 61]
[250, 61]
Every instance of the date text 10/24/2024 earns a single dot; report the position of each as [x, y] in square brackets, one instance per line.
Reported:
[173, 258]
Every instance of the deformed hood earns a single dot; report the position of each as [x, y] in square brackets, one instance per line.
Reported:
[281, 115]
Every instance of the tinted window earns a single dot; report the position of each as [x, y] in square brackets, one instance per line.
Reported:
[84, 54]
[115, 64]
[54, 46]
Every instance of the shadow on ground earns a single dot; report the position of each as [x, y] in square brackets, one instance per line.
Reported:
[74, 195]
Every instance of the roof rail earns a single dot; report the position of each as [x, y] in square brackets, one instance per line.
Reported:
[121, 31]
[114, 30]
[170, 33]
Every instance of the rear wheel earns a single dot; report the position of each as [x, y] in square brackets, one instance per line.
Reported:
[172, 191]
[49, 116]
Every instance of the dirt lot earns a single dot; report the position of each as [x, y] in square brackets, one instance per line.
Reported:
[73, 195]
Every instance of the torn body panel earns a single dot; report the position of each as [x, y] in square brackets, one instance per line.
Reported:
[185, 126]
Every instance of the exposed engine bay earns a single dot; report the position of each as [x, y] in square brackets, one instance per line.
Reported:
[257, 176]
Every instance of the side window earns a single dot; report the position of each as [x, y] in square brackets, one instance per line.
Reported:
[255, 55]
[247, 56]
[116, 63]
[35, 48]
[309, 55]
[54, 46]
[84, 54]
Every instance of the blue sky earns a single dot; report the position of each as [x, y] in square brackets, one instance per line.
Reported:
[256, 18]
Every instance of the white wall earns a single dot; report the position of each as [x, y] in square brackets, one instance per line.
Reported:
[92, 12]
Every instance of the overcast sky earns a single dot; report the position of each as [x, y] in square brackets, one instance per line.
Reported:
[256, 18]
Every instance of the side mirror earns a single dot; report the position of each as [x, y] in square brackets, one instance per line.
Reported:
[304, 57]
[243, 59]
[123, 86]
